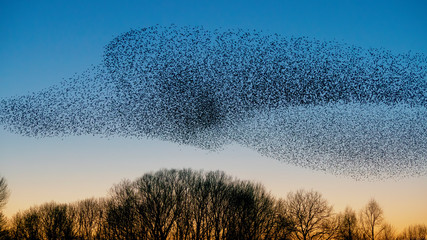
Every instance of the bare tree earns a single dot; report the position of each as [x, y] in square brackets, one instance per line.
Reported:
[371, 218]
[88, 215]
[220, 185]
[414, 232]
[4, 194]
[195, 206]
[348, 227]
[218, 207]
[203, 206]
[264, 211]
[56, 221]
[27, 225]
[4, 233]
[251, 212]
[240, 214]
[311, 214]
[388, 232]
[121, 216]
[283, 225]
[159, 197]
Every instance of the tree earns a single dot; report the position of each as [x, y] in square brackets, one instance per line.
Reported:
[311, 214]
[193, 222]
[192, 205]
[4, 194]
[414, 232]
[371, 217]
[251, 211]
[56, 221]
[348, 227]
[88, 215]
[27, 225]
[4, 233]
[220, 184]
[388, 232]
[283, 225]
[204, 205]
[159, 197]
[121, 213]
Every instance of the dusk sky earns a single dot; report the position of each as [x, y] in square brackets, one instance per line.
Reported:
[43, 43]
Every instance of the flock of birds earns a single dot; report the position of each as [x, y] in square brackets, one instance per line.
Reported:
[326, 106]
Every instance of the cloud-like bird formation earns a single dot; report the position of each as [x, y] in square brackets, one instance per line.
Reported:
[322, 105]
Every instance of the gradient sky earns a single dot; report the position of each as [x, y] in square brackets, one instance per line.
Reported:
[42, 43]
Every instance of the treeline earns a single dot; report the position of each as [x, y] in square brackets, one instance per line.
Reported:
[188, 204]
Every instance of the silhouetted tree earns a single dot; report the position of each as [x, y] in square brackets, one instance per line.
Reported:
[88, 218]
[121, 214]
[57, 221]
[263, 212]
[283, 225]
[414, 232]
[192, 205]
[251, 213]
[27, 225]
[371, 217]
[348, 226]
[388, 232]
[4, 233]
[311, 215]
[193, 222]
[220, 185]
[240, 211]
[50, 221]
[4, 194]
[159, 196]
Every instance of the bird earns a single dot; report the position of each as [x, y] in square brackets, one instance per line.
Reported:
[323, 105]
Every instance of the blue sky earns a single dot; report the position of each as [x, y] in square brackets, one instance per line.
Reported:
[43, 42]
[51, 40]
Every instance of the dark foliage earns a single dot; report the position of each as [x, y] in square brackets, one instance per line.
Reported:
[196, 205]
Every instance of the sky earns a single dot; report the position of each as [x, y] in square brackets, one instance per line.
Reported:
[42, 43]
